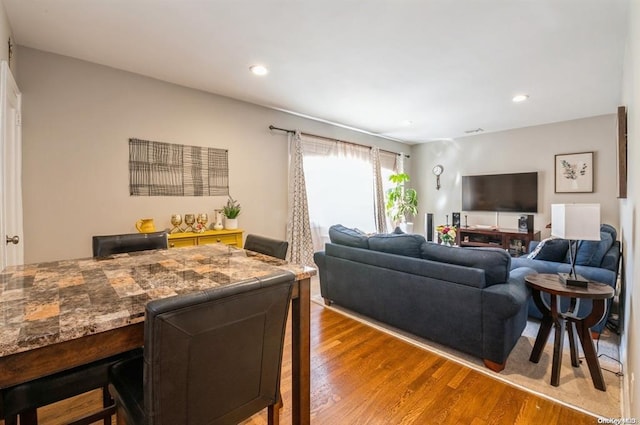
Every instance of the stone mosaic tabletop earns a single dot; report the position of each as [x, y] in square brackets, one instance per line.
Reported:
[51, 302]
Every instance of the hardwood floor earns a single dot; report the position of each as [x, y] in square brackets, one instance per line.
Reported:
[363, 376]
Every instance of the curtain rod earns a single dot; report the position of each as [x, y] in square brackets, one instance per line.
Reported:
[272, 127]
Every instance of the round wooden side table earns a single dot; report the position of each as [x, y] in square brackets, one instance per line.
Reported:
[553, 317]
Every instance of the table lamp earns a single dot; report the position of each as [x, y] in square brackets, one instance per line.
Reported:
[575, 222]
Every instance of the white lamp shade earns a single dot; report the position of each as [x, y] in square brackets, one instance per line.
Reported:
[576, 221]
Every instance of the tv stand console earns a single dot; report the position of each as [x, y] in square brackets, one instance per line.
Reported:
[516, 243]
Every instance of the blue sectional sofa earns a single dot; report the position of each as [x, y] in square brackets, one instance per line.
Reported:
[595, 260]
[466, 298]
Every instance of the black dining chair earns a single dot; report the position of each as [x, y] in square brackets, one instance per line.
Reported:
[212, 357]
[129, 242]
[24, 399]
[272, 247]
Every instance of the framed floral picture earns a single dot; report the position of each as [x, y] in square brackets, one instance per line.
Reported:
[574, 172]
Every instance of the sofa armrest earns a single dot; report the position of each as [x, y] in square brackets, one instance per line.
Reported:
[505, 300]
[320, 259]
[533, 245]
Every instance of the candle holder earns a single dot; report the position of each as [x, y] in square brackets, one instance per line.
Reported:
[176, 221]
[189, 220]
[202, 223]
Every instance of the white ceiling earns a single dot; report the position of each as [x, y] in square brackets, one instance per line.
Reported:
[448, 66]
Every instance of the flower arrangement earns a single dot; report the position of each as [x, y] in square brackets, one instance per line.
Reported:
[447, 234]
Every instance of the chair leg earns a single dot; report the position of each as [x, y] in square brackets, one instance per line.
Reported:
[273, 414]
[29, 417]
[11, 420]
[107, 401]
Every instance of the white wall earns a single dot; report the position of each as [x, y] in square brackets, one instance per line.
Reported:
[629, 220]
[520, 150]
[77, 119]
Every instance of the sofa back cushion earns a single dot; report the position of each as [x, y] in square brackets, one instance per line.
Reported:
[403, 265]
[341, 235]
[405, 244]
[591, 253]
[495, 262]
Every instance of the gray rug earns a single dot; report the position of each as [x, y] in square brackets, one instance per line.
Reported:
[576, 388]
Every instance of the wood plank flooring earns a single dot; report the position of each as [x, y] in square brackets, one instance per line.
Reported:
[360, 375]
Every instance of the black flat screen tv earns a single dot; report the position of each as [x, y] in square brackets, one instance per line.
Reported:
[516, 192]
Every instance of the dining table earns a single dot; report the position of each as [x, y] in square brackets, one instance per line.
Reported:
[57, 315]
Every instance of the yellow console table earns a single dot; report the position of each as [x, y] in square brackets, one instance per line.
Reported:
[229, 237]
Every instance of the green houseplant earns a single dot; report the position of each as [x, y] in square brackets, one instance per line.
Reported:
[402, 202]
[231, 211]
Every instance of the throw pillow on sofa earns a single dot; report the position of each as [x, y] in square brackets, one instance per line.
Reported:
[342, 235]
[551, 249]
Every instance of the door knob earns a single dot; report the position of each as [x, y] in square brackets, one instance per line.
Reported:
[14, 240]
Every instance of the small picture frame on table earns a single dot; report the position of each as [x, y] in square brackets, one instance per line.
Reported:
[574, 173]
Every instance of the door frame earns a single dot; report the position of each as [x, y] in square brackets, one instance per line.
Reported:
[11, 221]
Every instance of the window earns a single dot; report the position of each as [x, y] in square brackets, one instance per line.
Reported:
[339, 180]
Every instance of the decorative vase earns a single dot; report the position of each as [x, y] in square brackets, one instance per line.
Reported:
[231, 223]
[218, 224]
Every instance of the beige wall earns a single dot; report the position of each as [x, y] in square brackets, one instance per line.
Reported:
[629, 220]
[5, 33]
[77, 119]
[520, 150]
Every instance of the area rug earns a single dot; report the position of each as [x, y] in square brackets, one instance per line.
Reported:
[576, 389]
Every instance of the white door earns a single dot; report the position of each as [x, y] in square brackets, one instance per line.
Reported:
[11, 245]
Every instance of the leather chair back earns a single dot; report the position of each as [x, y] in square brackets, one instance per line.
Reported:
[117, 244]
[214, 357]
[273, 247]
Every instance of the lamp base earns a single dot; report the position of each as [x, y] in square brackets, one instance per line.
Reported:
[570, 280]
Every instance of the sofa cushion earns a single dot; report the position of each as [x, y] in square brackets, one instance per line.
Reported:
[551, 249]
[495, 262]
[602, 247]
[341, 235]
[400, 244]
[590, 253]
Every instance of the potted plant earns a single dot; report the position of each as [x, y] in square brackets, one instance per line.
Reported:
[231, 211]
[401, 202]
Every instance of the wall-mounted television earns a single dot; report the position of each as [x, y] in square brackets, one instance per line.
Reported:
[516, 192]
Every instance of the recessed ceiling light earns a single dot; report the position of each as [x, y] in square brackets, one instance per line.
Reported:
[520, 98]
[259, 70]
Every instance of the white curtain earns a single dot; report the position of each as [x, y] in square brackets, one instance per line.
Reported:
[298, 228]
